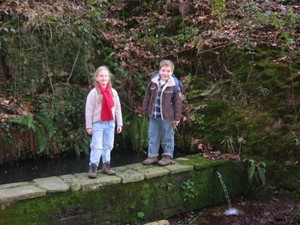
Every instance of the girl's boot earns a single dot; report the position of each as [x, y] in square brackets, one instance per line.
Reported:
[106, 169]
[92, 171]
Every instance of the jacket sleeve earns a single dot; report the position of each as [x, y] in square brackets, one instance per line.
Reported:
[89, 109]
[178, 105]
[118, 110]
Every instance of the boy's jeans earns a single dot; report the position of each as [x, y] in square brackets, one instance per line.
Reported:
[102, 141]
[160, 130]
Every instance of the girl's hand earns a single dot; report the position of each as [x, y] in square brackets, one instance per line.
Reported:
[119, 129]
[89, 130]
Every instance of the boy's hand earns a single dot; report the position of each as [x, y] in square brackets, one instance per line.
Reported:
[175, 124]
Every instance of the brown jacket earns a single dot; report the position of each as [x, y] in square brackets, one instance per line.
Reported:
[170, 111]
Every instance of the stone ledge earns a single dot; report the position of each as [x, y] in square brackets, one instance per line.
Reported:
[15, 194]
[92, 184]
[178, 168]
[72, 181]
[153, 171]
[160, 222]
[79, 181]
[129, 175]
[11, 185]
[136, 172]
[52, 184]
[157, 189]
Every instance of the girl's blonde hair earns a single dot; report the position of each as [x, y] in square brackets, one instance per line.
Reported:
[99, 70]
[166, 62]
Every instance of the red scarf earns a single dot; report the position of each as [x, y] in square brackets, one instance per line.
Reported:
[107, 103]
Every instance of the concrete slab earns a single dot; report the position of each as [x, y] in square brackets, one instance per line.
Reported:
[11, 185]
[129, 175]
[178, 168]
[153, 171]
[72, 181]
[136, 166]
[80, 175]
[121, 168]
[160, 222]
[101, 179]
[52, 184]
[16, 194]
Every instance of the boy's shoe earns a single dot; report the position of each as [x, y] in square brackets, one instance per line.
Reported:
[107, 170]
[92, 171]
[150, 161]
[166, 160]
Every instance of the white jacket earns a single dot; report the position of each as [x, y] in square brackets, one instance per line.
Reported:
[94, 104]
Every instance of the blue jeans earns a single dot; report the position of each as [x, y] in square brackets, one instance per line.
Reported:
[102, 141]
[160, 132]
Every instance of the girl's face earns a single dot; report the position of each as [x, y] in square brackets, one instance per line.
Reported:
[165, 72]
[103, 78]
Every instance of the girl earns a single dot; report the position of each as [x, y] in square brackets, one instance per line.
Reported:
[102, 109]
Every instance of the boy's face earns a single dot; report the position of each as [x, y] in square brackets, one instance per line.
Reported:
[166, 72]
[102, 78]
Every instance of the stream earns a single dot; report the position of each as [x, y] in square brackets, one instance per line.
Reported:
[32, 169]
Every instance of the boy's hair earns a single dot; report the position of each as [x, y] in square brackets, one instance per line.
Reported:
[98, 70]
[166, 63]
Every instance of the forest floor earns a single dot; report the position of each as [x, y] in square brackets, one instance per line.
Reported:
[250, 212]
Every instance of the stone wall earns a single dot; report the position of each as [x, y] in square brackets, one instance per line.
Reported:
[135, 195]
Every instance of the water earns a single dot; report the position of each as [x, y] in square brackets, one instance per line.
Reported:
[32, 169]
[230, 210]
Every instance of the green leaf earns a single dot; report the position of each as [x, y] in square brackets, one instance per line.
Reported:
[251, 171]
[263, 164]
[261, 175]
[40, 135]
[77, 150]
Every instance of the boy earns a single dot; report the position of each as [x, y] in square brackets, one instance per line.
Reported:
[164, 110]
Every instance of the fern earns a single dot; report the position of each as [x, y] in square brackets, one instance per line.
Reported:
[77, 150]
[47, 124]
[86, 145]
[83, 146]
[24, 120]
[139, 133]
[41, 138]
[134, 134]
[80, 141]
[31, 124]
[144, 132]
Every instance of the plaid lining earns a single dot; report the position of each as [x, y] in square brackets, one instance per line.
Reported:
[157, 109]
